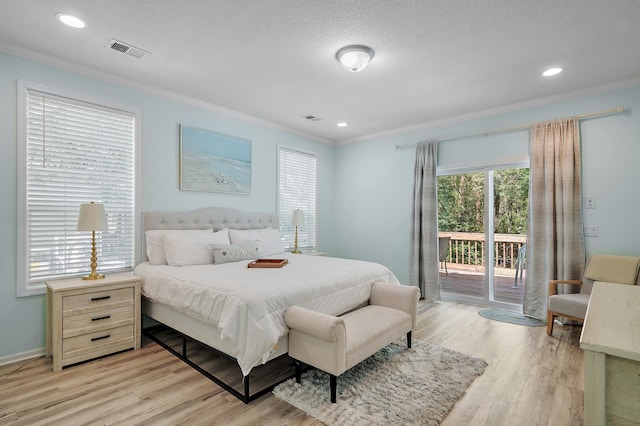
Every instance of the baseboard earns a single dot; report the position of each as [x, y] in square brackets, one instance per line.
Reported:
[22, 356]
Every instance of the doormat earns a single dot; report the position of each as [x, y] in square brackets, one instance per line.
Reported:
[510, 317]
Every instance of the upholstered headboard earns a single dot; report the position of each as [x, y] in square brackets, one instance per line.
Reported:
[213, 217]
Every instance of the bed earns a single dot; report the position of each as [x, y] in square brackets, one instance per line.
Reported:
[236, 310]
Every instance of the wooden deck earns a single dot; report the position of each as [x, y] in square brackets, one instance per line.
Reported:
[470, 283]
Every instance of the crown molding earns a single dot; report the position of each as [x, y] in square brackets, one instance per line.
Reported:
[514, 107]
[66, 65]
[93, 73]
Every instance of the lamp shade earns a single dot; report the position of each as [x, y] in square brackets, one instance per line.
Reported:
[92, 218]
[297, 218]
[355, 58]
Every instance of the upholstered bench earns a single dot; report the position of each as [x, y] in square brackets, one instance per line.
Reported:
[335, 344]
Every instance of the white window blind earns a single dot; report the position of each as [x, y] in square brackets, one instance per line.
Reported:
[297, 190]
[74, 153]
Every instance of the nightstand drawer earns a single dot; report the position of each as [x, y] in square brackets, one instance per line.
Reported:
[86, 302]
[90, 322]
[110, 340]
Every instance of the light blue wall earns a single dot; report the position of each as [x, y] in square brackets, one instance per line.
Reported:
[364, 189]
[374, 181]
[22, 320]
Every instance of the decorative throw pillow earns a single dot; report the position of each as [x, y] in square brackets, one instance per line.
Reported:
[155, 242]
[268, 240]
[234, 253]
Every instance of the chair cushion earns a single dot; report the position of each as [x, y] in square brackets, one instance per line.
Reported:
[371, 328]
[574, 305]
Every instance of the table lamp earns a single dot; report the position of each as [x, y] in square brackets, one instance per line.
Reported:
[92, 218]
[297, 219]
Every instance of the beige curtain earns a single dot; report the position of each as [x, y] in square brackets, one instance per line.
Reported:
[424, 247]
[555, 241]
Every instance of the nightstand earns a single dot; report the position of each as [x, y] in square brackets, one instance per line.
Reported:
[91, 318]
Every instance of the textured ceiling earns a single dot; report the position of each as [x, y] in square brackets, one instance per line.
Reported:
[274, 60]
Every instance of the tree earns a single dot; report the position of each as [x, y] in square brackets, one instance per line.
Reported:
[461, 207]
[511, 199]
[461, 202]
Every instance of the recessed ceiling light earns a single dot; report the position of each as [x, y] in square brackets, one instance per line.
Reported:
[343, 124]
[552, 71]
[71, 21]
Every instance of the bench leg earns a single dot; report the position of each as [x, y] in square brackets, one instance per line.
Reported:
[409, 339]
[333, 383]
[298, 371]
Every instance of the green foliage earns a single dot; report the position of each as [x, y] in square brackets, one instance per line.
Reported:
[511, 189]
[461, 209]
[461, 202]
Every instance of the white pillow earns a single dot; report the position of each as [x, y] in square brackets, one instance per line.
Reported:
[237, 236]
[271, 242]
[192, 248]
[268, 240]
[155, 242]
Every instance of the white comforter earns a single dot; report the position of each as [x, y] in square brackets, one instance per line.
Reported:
[248, 304]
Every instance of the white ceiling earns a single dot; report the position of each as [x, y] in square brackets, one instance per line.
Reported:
[275, 60]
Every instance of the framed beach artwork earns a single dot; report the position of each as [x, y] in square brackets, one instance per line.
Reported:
[214, 162]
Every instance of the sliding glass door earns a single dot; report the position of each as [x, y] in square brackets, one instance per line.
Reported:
[482, 219]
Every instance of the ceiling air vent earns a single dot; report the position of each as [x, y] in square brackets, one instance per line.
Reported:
[311, 117]
[127, 48]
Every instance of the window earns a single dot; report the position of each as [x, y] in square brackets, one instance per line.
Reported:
[72, 152]
[297, 190]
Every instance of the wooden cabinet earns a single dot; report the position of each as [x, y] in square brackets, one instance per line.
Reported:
[91, 318]
[611, 343]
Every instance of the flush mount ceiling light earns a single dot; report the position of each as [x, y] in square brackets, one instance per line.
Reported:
[355, 58]
[552, 71]
[342, 124]
[70, 20]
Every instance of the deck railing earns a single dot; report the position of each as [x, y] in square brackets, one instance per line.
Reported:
[468, 248]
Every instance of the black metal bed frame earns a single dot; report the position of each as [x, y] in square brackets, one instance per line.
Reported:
[245, 397]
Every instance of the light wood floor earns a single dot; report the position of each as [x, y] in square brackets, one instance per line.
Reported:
[532, 379]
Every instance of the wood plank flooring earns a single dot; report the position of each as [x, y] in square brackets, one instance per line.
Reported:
[532, 379]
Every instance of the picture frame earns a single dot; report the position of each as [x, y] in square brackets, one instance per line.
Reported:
[214, 162]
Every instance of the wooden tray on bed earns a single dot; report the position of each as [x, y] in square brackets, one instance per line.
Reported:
[268, 263]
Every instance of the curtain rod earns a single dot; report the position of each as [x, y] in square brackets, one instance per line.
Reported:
[616, 110]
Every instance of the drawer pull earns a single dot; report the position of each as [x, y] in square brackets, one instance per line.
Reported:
[101, 318]
[93, 299]
[93, 339]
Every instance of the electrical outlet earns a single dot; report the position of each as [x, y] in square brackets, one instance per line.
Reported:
[590, 203]
[590, 231]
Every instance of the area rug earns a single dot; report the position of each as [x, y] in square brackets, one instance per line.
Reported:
[395, 386]
[510, 317]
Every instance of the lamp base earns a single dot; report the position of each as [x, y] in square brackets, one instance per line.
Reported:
[295, 244]
[93, 277]
[94, 261]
